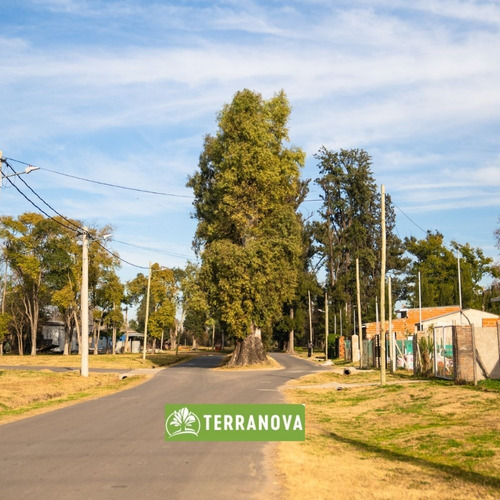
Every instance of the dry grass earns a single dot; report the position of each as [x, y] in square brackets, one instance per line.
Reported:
[26, 393]
[118, 361]
[338, 377]
[414, 441]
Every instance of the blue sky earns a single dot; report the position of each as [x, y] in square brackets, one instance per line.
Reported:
[124, 91]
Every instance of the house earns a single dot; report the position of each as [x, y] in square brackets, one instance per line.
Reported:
[408, 320]
[472, 317]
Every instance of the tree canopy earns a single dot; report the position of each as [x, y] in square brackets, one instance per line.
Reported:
[247, 190]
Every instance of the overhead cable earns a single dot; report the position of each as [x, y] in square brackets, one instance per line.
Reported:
[128, 188]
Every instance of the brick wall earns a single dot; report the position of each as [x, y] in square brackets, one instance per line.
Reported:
[342, 347]
[406, 326]
[490, 322]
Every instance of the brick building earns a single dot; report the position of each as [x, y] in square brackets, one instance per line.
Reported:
[408, 320]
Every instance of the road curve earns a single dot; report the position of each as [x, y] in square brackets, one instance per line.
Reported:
[114, 448]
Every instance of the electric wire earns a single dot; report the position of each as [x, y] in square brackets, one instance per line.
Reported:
[78, 228]
[157, 250]
[44, 202]
[160, 193]
[409, 218]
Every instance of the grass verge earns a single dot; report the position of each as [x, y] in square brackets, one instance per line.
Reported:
[433, 439]
[118, 361]
[27, 393]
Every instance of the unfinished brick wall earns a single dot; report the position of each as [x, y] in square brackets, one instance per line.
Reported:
[490, 322]
[342, 347]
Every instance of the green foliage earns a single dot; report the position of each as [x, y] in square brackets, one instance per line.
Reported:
[5, 321]
[247, 190]
[439, 272]
[349, 228]
[162, 296]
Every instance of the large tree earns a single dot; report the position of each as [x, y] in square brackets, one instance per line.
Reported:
[247, 191]
[349, 229]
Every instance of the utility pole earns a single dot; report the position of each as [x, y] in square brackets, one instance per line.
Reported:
[360, 328]
[326, 326]
[147, 315]
[459, 285]
[382, 291]
[310, 318]
[419, 303]
[84, 371]
[392, 340]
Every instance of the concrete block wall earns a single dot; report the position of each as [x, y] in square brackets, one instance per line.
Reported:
[463, 354]
[483, 362]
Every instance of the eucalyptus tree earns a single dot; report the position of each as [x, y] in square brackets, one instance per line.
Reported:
[247, 189]
[349, 227]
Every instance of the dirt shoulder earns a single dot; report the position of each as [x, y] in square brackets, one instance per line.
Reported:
[423, 440]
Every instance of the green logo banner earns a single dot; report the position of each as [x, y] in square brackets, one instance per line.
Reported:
[232, 422]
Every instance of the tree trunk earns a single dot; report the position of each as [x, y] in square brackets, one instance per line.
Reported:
[249, 351]
[173, 340]
[291, 345]
[114, 340]
[66, 339]
[78, 332]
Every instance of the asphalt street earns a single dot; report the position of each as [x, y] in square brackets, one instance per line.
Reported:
[114, 447]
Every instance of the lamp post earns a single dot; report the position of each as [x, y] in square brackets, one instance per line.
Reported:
[27, 170]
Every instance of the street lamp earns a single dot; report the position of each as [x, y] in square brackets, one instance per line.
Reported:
[27, 170]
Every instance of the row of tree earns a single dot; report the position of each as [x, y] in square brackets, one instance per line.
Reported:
[259, 258]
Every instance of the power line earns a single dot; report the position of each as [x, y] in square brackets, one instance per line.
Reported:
[43, 201]
[409, 218]
[79, 229]
[160, 193]
[157, 250]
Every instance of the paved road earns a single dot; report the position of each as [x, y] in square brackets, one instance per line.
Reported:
[114, 447]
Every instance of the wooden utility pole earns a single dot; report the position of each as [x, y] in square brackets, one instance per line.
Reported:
[326, 326]
[360, 323]
[84, 371]
[147, 315]
[459, 285]
[392, 340]
[310, 318]
[382, 290]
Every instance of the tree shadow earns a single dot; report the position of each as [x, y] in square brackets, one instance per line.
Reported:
[455, 471]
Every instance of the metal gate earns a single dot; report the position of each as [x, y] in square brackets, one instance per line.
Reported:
[443, 352]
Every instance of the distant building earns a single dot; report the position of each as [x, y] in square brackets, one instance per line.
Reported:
[408, 320]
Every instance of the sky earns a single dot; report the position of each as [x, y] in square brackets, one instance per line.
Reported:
[124, 91]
